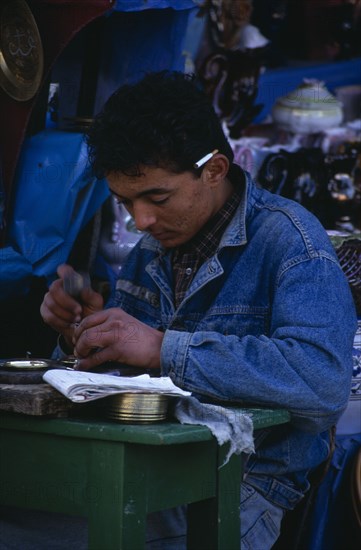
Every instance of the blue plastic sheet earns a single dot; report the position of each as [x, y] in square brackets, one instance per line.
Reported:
[55, 196]
[332, 525]
[139, 5]
[137, 43]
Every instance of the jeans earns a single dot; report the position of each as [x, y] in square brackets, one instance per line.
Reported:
[260, 524]
[260, 520]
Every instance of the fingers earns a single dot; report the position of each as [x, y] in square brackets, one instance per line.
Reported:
[106, 329]
[98, 357]
[65, 270]
[78, 286]
[114, 335]
[91, 301]
[98, 343]
[94, 320]
[59, 310]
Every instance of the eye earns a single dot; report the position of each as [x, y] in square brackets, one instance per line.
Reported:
[160, 201]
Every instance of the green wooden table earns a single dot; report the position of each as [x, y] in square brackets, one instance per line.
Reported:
[115, 474]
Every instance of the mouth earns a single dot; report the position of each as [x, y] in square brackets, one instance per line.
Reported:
[161, 235]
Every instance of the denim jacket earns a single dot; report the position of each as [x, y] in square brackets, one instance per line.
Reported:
[268, 320]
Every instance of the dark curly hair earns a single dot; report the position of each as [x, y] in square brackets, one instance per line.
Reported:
[164, 121]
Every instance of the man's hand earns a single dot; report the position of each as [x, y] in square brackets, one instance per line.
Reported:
[113, 335]
[61, 311]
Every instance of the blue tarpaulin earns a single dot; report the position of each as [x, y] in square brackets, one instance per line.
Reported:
[332, 523]
[54, 197]
[139, 5]
[137, 43]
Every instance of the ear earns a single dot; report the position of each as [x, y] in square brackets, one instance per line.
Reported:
[215, 170]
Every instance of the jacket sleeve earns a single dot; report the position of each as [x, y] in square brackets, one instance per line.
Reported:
[304, 363]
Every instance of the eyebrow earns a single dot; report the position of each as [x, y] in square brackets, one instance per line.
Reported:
[152, 191]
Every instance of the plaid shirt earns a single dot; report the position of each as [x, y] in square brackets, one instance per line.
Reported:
[188, 258]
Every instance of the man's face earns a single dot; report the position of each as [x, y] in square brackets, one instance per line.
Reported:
[171, 207]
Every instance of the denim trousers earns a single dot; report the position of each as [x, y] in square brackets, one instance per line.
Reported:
[260, 524]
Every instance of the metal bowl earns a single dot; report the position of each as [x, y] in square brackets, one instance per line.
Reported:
[136, 408]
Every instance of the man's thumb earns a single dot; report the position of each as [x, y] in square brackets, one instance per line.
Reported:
[91, 301]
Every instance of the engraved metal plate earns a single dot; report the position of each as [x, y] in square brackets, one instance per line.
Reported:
[21, 51]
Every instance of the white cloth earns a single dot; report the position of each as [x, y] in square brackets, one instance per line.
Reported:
[228, 425]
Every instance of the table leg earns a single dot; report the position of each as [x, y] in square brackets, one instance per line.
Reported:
[215, 523]
[117, 516]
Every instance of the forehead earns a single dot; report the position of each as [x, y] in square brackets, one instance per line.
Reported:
[152, 180]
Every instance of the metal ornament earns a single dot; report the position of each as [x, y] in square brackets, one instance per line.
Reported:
[21, 51]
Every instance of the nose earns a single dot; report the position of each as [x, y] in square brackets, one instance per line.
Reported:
[143, 216]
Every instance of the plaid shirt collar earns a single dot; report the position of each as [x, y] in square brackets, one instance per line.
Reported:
[205, 243]
[189, 257]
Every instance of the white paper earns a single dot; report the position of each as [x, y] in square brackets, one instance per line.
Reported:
[79, 386]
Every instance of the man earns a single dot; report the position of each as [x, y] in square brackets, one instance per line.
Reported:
[235, 293]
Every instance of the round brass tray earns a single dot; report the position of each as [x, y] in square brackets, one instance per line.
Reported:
[21, 51]
[25, 364]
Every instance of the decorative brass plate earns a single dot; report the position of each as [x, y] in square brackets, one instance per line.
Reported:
[21, 51]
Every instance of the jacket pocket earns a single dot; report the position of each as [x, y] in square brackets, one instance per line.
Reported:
[263, 534]
[260, 520]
